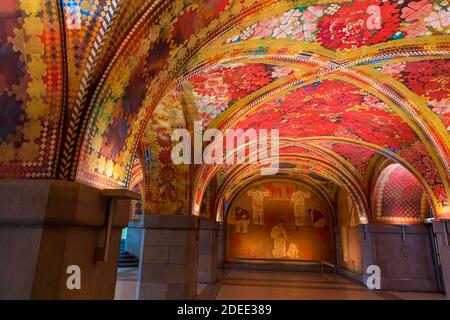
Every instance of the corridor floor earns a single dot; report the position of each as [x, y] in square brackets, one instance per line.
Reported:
[272, 285]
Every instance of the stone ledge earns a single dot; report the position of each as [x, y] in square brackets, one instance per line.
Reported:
[55, 203]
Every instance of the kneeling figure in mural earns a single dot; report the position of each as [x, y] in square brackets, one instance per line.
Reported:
[278, 234]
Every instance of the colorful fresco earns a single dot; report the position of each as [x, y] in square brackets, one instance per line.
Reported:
[350, 254]
[216, 90]
[163, 52]
[332, 108]
[358, 157]
[321, 110]
[156, 55]
[399, 198]
[279, 223]
[167, 184]
[427, 79]
[353, 24]
[31, 82]
[81, 79]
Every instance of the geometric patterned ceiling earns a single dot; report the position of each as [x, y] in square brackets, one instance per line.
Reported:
[398, 197]
[81, 81]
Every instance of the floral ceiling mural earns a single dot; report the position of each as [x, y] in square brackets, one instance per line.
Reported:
[358, 157]
[427, 79]
[82, 81]
[348, 25]
[217, 89]
[338, 109]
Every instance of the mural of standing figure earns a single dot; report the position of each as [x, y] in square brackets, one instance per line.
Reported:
[278, 234]
[258, 204]
[302, 218]
[242, 221]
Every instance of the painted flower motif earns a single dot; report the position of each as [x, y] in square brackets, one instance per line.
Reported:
[414, 30]
[246, 79]
[347, 28]
[32, 130]
[359, 157]
[332, 9]
[282, 31]
[417, 155]
[441, 107]
[248, 32]
[7, 153]
[395, 69]
[290, 17]
[438, 20]
[28, 152]
[331, 109]
[307, 24]
[416, 10]
[312, 13]
[372, 102]
[212, 105]
[345, 133]
[210, 83]
[265, 28]
[428, 78]
[288, 21]
[280, 72]
[231, 82]
[305, 32]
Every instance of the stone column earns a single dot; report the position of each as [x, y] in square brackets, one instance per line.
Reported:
[442, 231]
[168, 261]
[134, 237]
[221, 246]
[207, 262]
[47, 226]
[404, 255]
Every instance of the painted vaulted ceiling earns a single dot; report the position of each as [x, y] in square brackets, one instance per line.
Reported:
[92, 90]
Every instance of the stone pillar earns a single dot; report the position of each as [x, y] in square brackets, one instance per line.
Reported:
[207, 260]
[221, 246]
[134, 237]
[168, 261]
[442, 232]
[404, 255]
[47, 226]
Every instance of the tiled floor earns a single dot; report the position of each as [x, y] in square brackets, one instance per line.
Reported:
[271, 285]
